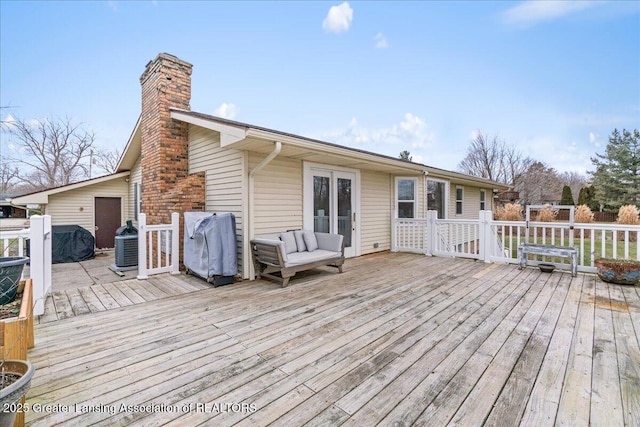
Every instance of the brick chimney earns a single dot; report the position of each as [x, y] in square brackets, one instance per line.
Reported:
[167, 185]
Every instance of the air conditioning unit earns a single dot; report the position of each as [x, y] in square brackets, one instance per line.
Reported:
[127, 250]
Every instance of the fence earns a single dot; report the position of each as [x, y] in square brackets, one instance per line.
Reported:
[158, 247]
[497, 241]
[14, 243]
[38, 237]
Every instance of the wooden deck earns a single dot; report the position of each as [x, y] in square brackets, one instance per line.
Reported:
[397, 339]
[108, 296]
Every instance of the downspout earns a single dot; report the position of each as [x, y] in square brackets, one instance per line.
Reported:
[276, 150]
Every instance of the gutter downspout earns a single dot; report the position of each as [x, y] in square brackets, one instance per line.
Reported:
[276, 150]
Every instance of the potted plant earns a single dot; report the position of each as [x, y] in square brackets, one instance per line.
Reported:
[620, 271]
[15, 380]
[10, 273]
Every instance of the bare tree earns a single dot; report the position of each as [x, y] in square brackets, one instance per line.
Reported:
[107, 159]
[51, 153]
[539, 184]
[7, 175]
[493, 159]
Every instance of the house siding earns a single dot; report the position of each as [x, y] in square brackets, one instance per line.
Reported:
[76, 207]
[376, 205]
[277, 195]
[224, 170]
[470, 201]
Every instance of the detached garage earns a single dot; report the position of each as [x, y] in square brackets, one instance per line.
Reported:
[99, 205]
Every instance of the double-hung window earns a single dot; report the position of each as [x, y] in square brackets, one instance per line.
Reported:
[406, 191]
[459, 199]
[483, 197]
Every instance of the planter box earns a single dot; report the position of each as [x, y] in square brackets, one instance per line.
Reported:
[16, 335]
[619, 272]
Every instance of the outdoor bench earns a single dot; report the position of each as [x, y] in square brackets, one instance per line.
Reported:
[549, 250]
[295, 251]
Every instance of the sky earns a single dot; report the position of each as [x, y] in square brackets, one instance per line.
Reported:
[551, 78]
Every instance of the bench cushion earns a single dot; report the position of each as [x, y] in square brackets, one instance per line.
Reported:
[310, 240]
[302, 258]
[289, 240]
[300, 240]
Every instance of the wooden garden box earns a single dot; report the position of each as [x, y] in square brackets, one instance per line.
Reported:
[16, 335]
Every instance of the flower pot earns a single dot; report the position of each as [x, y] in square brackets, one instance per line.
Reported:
[10, 273]
[17, 374]
[619, 271]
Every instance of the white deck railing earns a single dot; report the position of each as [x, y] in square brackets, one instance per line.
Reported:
[497, 241]
[158, 247]
[14, 243]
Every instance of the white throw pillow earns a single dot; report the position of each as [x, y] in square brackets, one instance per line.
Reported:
[289, 240]
[302, 247]
[310, 240]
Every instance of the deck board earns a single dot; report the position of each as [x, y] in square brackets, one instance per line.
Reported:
[396, 339]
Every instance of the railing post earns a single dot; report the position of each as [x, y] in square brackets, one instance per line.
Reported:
[40, 254]
[486, 234]
[432, 216]
[175, 243]
[142, 246]
[394, 226]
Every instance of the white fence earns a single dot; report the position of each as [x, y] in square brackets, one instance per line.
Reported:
[497, 241]
[14, 243]
[158, 247]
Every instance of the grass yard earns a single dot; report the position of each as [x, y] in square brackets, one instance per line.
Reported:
[584, 256]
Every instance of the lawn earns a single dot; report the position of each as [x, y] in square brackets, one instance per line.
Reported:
[589, 246]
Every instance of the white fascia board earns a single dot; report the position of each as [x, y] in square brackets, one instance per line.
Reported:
[330, 149]
[228, 134]
[42, 197]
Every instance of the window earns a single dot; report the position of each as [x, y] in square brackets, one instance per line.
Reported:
[483, 195]
[459, 197]
[406, 197]
[437, 197]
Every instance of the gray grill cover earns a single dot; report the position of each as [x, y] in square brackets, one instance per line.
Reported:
[210, 244]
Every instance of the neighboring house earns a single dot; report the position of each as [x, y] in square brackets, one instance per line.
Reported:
[12, 216]
[100, 205]
[272, 181]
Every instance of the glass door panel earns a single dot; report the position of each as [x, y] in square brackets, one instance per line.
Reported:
[321, 204]
[345, 210]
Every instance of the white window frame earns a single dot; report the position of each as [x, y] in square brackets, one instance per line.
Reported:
[415, 196]
[445, 203]
[461, 200]
[483, 199]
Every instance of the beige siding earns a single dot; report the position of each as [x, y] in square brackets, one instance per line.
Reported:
[76, 207]
[470, 202]
[224, 176]
[277, 195]
[376, 204]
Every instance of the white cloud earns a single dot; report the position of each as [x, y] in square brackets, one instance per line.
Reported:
[113, 5]
[338, 19]
[10, 120]
[381, 41]
[226, 111]
[411, 133]
[532, 12]
[592, 137]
